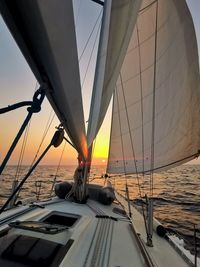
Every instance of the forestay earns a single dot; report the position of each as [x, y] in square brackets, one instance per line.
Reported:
[118, 20]
[45, 33]
[155, 121]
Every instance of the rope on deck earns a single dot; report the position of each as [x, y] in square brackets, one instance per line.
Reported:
[100, 246]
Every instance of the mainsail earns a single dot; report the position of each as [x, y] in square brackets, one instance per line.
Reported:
[118, 21]
[45, 33]
[155, 120]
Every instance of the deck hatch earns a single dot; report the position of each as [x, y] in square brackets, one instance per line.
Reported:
[60, 218]
[19, 250]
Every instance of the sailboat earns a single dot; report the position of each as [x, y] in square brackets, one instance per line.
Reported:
[148, 61]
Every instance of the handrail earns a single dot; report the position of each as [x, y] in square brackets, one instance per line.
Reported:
[15, 106]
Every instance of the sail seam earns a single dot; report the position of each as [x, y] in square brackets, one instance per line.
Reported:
[142, 122]
[152, 3]
[141, 95]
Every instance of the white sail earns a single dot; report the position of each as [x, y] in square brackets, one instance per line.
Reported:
[45, 33]
[155, 121]
[119, 18]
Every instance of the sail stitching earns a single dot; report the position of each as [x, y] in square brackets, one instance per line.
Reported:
[148, 6]
[141, 96]
[167, 133]
[175, 36]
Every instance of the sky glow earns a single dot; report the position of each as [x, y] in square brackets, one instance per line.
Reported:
[17, 83]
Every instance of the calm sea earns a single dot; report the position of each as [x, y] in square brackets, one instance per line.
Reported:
[176, 192]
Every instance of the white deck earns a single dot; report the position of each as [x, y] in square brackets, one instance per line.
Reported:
[102, 242]
[162, 253]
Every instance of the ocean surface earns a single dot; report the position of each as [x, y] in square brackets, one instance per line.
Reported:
[176, 193]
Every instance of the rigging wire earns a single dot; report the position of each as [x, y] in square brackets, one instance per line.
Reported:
[58, 167]
[87, 42]
[154, 105]
[131, 139]
[61, 156]
[123, 154]
[92, 154]
[49, 122]
[78, 12]
[120, 129]
[95, 41]
[133, 152]
[142, 118]
[23, 147]
[21, 156]
[24, 143]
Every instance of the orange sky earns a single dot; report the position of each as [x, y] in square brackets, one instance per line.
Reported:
[11, 122]
[17, 83]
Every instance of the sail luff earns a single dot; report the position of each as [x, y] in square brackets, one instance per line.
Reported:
[99, 74]
[120, 25]
[111, 129]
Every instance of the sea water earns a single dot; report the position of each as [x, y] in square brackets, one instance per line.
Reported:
[176, 193]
